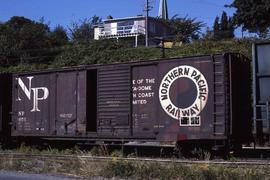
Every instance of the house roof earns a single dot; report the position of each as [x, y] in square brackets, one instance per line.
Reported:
[123, 19]
[126, 18]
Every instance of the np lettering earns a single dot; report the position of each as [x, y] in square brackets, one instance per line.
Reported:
[36, 94]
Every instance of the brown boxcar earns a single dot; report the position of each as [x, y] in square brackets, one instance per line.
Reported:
[205, 98]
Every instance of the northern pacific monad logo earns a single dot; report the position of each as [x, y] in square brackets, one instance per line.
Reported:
[39, 93]
[188, 116]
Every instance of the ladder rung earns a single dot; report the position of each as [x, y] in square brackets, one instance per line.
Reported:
[219, 124]
[219, 82]
[218, 92]
[215, 133]
[218, 113]
[219, 104]
[261, 106]
[219, 72]
[260, 119]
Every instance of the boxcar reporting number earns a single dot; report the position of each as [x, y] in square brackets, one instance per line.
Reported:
[187, 116]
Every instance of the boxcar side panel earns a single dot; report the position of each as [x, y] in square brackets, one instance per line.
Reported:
[49, 104]
[31, 107]
[173, 100]
[144, 100]
[186, 114]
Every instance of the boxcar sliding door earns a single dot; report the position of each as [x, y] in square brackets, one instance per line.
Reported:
[71, 103]
[114, 101]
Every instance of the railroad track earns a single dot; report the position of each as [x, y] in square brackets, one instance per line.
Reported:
[237, 162]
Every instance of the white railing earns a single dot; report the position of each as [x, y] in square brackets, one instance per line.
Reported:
[122, 30]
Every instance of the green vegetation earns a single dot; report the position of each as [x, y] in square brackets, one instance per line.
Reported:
[109, 51]
[253, 16]
[48, 151]
[132, 170]
[126, 169]
[101, 150]
[27, 45]
[80, 167]
[222, 29]
[23, 40]
[83, 32]
[185, 29]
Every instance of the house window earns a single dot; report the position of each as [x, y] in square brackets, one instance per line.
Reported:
[125, 26]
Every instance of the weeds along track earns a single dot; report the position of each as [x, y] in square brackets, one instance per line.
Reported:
[103, 159]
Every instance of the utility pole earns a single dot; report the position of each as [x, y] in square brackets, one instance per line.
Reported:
[147, 9]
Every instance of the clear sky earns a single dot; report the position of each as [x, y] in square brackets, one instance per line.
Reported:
[64, 12]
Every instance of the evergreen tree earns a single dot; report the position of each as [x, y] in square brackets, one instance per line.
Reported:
[216, 29]
[223, 28]
[224, 22]
[231, 28]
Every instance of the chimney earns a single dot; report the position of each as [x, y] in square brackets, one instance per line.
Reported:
[163, 10]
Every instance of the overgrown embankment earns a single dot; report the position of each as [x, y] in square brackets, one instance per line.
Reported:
[104, 52]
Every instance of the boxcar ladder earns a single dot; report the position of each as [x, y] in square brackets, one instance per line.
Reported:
[260, 121]
[219, 98]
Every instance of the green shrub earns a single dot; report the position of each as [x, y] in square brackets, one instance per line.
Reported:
[125, 169]
[116, 153]
[117, 168]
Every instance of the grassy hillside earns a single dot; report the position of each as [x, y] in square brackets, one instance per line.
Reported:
[103, 52]
[100, 54]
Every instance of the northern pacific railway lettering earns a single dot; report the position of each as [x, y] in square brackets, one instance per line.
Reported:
[197, 78]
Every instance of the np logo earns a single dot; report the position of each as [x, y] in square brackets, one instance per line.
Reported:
[187, 116]
[37, 93]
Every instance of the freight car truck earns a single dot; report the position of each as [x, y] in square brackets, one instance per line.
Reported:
[202, 101]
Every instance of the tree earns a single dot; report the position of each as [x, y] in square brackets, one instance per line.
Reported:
[223, 28]
[83, 32]
[58, 36]
[27, 34]
[252, 15]
[185, 29]
[216, 28]
[230, 29]
[23, 40]
[224, 22]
